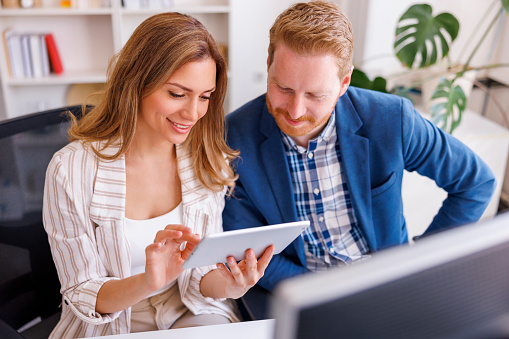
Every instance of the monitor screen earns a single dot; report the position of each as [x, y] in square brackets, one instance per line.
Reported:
[453, 284]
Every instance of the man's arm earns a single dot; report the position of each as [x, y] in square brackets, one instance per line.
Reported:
[466, 178]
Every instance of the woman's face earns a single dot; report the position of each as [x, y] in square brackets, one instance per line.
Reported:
[169, 113]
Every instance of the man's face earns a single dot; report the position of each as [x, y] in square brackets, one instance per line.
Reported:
[302, 91]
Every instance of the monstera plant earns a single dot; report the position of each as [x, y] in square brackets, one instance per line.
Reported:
[423, 40]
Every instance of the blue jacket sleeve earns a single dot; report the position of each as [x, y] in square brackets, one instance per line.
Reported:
[454, 167]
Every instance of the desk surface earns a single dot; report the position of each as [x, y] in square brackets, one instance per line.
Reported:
[259, 329]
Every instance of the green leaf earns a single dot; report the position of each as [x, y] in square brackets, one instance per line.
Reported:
[449, 103]
[380, 84]
[361, 80]
[505, 4]
[417, 30]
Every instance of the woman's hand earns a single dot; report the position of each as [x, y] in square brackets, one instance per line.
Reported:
[244, 275]
[164, 264]
[164, 257]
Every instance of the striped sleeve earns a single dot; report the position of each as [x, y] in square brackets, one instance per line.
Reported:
[71, 232]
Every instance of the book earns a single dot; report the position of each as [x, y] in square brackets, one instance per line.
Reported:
[14, 55]
[25, 52]
[44, 55]
[54, 56]
[7, 52]
[35, 54]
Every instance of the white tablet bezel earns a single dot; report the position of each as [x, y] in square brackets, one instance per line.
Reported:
[215, 248]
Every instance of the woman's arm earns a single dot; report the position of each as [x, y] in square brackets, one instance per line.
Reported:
[234, 283]
[164, 265]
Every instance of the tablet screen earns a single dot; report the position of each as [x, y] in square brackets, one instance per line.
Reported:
[215, 248]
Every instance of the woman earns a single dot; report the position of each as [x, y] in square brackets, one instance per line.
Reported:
[150, 158]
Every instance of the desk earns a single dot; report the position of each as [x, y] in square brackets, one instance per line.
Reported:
[259, 329]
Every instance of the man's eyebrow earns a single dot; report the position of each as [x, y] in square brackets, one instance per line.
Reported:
[188, 89]
[315, 93]
[280, 85]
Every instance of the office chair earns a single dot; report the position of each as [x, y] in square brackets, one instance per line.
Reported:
[29, 286]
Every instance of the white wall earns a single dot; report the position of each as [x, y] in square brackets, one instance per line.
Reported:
[250, 22]
[502, 55]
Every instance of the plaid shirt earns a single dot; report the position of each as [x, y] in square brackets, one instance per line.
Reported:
[321, 194]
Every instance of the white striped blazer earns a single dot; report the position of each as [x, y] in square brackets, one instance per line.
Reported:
[83, 214]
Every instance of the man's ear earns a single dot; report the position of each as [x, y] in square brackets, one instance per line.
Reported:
[346, 82]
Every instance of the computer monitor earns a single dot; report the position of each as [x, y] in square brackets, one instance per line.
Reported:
[453, 284]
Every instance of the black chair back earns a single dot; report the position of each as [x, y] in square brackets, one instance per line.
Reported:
[29, 286]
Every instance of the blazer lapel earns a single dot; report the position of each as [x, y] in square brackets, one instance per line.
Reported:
[355, 159]
[277, 172]
[108, 199]
[194, 194]
[107, 210]
[281, 202]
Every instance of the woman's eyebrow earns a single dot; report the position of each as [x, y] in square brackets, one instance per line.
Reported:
[188, 89]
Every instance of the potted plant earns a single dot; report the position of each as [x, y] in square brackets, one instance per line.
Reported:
[422, 42]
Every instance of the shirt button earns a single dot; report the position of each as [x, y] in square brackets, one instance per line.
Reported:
[310, 155]
[316, 191]
[320, 219]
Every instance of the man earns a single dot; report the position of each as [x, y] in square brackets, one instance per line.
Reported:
[314, 149]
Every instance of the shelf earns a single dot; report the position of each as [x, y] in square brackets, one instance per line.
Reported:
[19, 12]
[67, 78]
[181, 9]
[87, 38]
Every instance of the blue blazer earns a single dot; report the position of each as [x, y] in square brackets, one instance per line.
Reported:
[379, 135]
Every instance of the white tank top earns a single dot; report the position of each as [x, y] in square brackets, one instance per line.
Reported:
[141, 233]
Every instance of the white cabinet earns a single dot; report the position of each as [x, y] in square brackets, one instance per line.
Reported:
[86, 39]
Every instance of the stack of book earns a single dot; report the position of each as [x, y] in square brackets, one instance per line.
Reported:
[32, 55]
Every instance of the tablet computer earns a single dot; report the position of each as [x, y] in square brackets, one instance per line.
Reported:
[215, 248]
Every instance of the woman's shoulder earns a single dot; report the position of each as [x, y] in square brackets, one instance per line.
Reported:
[77, 156]
[78, 148]
[74, 149]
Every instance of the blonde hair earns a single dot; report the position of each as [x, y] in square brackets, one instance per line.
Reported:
[159, 46]
[316, 27]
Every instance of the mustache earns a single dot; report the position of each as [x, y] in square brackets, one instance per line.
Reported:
[284, 112]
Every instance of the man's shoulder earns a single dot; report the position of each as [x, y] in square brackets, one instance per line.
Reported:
[368, 97]
[374, 108]
[244, 123]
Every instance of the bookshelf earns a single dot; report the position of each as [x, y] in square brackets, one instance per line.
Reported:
[84, 56]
